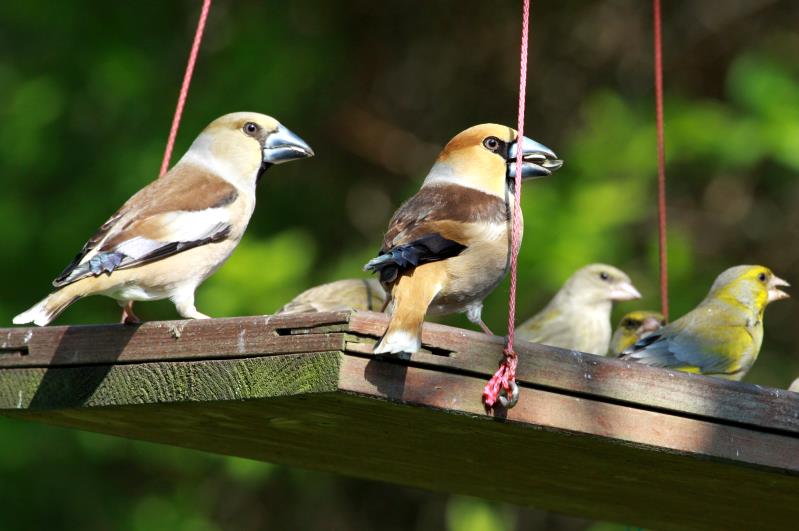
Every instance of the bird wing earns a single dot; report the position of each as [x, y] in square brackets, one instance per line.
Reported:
[690, 346]
[437, 223]
[544, 327]
[179, 211]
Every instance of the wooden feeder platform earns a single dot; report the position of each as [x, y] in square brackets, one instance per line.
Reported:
[591, 436]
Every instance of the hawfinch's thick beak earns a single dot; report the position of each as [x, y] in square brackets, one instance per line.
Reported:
[774, 293]
[624, 292]
[283, 146]
[537, 159]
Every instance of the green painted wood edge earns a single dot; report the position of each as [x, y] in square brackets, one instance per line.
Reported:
[159, 382]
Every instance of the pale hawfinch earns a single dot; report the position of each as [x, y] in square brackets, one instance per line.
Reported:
[447, 247]
[175, 232]
[578, 316]
[360, 294]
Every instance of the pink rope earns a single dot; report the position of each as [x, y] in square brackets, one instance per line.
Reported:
[184, 89]
[506, 375]
[664, 275]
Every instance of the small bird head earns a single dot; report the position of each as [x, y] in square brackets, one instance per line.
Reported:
[633, 326]
[598, 283]
[752, 285]
[484, 157]
[244, 144]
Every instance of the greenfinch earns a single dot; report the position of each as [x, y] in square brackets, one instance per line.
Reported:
[722, 336]
[632, 327]
[578, 317]
[794, 386]
[350, 294]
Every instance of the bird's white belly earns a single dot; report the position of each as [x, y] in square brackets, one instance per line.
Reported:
[136, 292]
[164, 278]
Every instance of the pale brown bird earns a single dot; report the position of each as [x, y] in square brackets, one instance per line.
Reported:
[447, 247]
[175, 232]
[362, 294]
[578, 316]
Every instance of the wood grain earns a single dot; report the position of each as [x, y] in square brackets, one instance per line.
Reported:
[166, 382]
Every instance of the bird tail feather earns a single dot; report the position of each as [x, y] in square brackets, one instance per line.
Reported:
[43, 312]
[410, 299]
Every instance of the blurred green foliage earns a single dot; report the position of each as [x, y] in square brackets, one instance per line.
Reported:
[88, 89]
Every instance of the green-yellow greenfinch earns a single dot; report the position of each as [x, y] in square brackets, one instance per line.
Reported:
[632, 327]
[578, 317]
[350, 294]
[722, 336]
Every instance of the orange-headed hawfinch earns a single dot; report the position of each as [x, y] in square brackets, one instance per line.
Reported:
[448, 247]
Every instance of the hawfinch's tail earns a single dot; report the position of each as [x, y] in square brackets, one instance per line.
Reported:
[398, 340]
[48, 309]
[410, 298]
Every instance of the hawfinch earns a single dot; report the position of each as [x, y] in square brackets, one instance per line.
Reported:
[578, 317]
[634, 326]
[359, 294]
[448, 246]
[720, 337]
[175, 232]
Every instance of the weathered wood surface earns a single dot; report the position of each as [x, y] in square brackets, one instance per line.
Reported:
[590, 436]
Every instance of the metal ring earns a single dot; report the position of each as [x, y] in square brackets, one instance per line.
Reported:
[508, 403]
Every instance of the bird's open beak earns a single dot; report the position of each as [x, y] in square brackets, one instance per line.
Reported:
[537, 159]
[283, 146]
[624, 292]
[649, 325]
[774, 293]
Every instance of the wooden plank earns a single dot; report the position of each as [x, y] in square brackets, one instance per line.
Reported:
[457, 393]
[598, 377]
[165, 382]
[386, 432]
[169, 340]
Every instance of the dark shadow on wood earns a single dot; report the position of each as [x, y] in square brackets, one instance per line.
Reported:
[61, 388]
[388, 376]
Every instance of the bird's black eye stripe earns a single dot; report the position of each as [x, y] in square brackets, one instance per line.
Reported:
[251, 128]
[761, 277]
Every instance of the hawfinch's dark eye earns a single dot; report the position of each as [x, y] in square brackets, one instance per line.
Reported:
[761, 277]
[604, 276]
[251, 128]
[491, 143]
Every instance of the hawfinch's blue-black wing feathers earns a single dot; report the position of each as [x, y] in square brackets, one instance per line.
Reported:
[173, 214]
[434, 225]
[428, 248]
